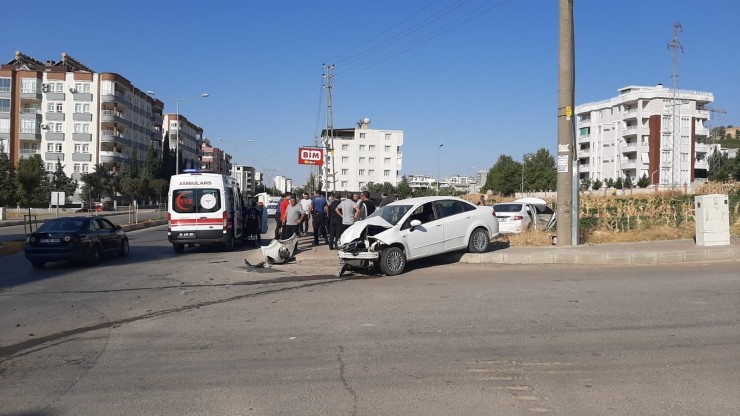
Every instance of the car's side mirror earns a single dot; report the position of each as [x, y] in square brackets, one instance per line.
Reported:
[414, 224]
[118, 227]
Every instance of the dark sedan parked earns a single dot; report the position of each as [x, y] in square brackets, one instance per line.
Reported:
[74, 239]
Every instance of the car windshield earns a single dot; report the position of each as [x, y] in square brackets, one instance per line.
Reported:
[507, 207]
[391, 213]
[62, 224]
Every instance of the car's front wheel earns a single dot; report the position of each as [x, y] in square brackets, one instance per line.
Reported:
[392, 261]
[479, 241]
[123, 251]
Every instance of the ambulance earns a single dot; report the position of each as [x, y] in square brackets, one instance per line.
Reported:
[204, 209]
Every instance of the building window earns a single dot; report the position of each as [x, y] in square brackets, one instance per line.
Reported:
[82, 108]
[387, 160]
[345, 172]
[57, 127]
[82, 87]
[4, 105]
[362, 147]
[362, 135]
[54, 147]
[344, 184]
[371, 160]
[50, 167]
[387, 136]
[85, 167]
[28, 126]
[362, 185]
[4, 84]
[345, 147]
[57, 87]
[5, 128]
[387, 148]
[345, 159]
[76, 168]
[386, 172]
[29, 86]
[371, 172]
[361, 172]
[371, 147]
[362, 160]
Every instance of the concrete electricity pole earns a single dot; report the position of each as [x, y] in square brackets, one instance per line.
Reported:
[566, 209]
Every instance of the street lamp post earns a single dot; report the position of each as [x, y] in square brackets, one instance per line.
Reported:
[439, 149]
[177, 133]
[652, 179]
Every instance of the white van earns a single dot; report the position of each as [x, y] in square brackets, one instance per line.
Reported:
[204, 209]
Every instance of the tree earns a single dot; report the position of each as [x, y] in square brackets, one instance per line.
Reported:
[720, 167]
[60, 182]
[160, 187]
[98, 184]
[403, 190]
[628, 182]
[167, 167]
[134, 166]
[585, 184]
[7, 179]
[596, 185]
[152, 163]
[33, 184]
[644, 181]
[540, 172]
[504, 177]
[619, 184]
[609, 182]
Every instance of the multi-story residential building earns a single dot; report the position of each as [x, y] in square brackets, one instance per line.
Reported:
[461, 183]
[641, 132]
[214, 159]
[419, 182]
[360, 156]
[283, 184]
[245, 177]
[66, 112]
[190, 139]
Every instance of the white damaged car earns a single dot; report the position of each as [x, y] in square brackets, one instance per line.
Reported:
[413, 228]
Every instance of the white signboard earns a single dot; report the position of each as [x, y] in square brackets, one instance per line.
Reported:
[563, 163]
[57, 198]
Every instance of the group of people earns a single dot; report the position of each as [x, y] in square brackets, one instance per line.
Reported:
[329, 218]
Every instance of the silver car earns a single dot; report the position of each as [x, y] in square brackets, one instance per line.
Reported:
[413, 228]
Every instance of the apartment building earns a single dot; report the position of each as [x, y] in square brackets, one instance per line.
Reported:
[190, 136]
[360, 156]
[283, 184]
[245, 176]
[645, 131]
[66, 112]
[420, 182]
[215, 159]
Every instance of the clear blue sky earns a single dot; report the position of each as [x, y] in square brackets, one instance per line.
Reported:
[479, 76]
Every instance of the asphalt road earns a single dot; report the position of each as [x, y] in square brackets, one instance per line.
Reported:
[17, 232]
[200, 333]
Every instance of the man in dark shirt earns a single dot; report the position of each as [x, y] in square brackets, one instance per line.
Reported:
[367, 206]
[385, 199]
[335, 221]
[320, 211]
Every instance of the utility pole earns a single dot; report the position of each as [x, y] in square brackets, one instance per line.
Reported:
[329, 139]
[567, 209]
[675, 125]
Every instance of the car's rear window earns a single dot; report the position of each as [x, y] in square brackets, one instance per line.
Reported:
[65, 224]
[507, 207]
[196, 200]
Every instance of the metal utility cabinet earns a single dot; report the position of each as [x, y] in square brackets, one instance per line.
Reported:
[712, 215]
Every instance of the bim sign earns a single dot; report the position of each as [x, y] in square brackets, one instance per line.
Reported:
[310, 156]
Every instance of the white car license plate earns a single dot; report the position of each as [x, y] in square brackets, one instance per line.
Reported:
[503, 219]
[187, 235]
[49, 240]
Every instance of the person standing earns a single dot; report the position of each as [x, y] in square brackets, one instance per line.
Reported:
[279, 219]
[306, 205]
[335, 221]
[281, 212]
[293, 217]
[253, 224]
[385, 199]
[366, 207]
[319, 214]
[348, 210]
[481, 200]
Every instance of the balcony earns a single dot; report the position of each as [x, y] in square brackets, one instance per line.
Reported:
[27, 153]
[584, 168]
[701, 164]
[81, 137]
[54, 156]
[629, 164]
[110, 116]
[112, 157]
[702, 114]
[54, 136]
[584, 153]
[110, 136]
[701, 131]
[30, 135]
[630, 114]
[117, 97]
[82, 96]
[584, 138]
[31, 95]
[31, 114]
[82, 117]
[629, 131]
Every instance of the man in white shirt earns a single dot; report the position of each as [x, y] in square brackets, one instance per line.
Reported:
[306, 206]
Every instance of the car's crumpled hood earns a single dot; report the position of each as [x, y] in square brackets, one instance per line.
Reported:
[368, 226]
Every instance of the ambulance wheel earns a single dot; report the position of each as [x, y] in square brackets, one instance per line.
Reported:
[179, 248]
[228, 245]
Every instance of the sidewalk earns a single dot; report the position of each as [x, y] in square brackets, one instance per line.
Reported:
[647, 252]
